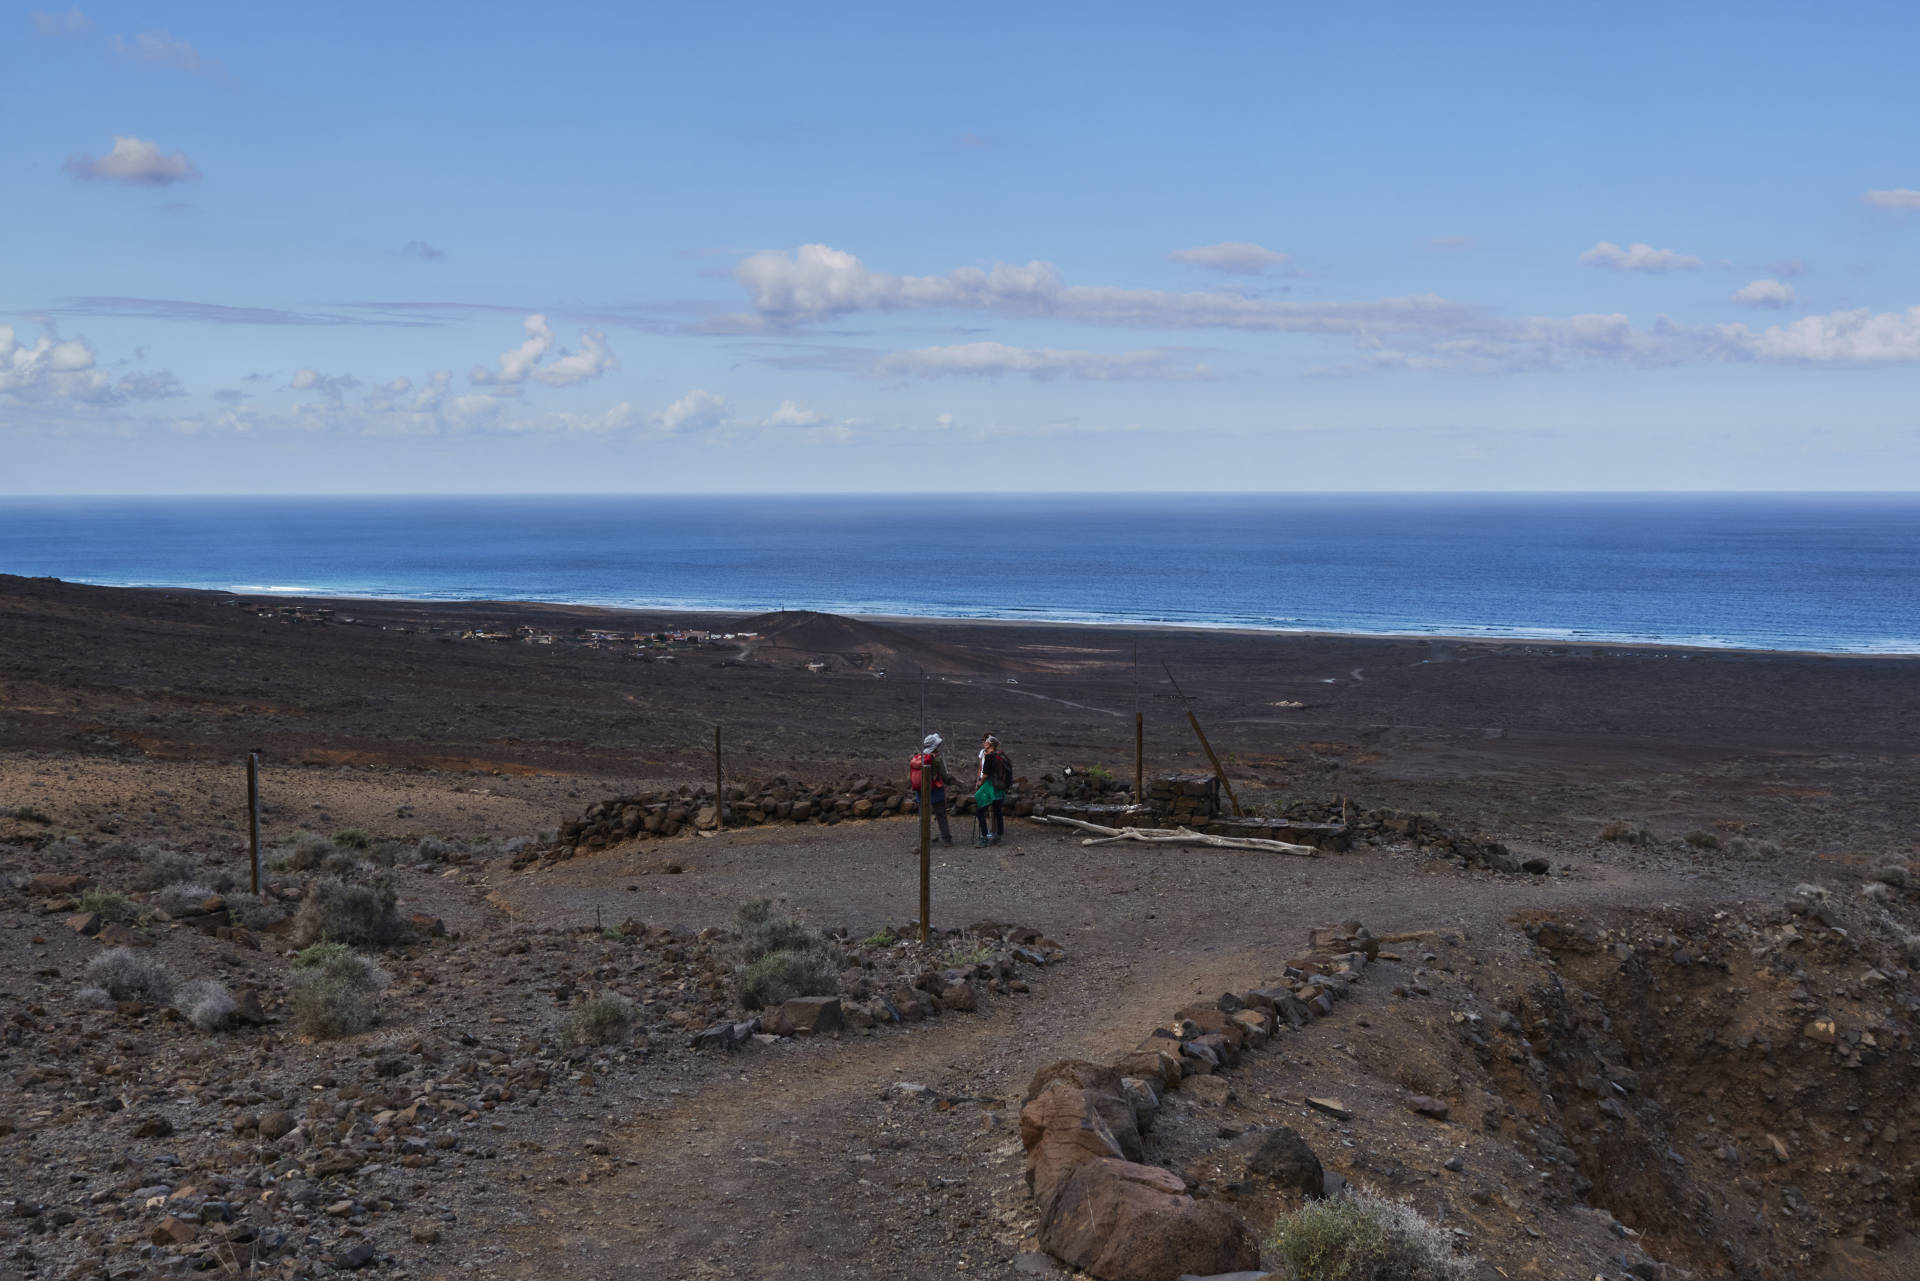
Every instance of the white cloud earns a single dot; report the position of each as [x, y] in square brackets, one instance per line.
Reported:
[992, 359]
[523, 362]
[1234, 256]
[1893, 198]
[593, 359]
[816, 282]
[160, 49]
[136, 162]
[792, 414]
[1841, 337]
[695, 411]
[1765, 293]
[71, 23]
[64, 371]
[1636, 257]
[422, 250]
[332, 386]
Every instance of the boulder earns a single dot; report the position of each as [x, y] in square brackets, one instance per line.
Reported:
[1075, 1072]
[960, 996]
[1125, 1222]
[57, 884]
[276, 1125]
[1282, 1159]
[1062, 1129]
[811, 1015]
[1155, 1066]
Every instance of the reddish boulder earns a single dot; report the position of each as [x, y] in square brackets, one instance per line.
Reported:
[1125, 1222]
[1062, 1129]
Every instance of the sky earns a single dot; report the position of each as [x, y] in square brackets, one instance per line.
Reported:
[436, 248]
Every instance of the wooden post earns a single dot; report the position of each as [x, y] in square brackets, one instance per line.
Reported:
[719, 792]
[253, 813]
[926, 846]
[1139, 760]
[1205, 746]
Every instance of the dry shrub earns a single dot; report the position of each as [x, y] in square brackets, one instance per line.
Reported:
[254, 911]
[161, 866]
[182, 897]
[304, 851]
[605, 1020]
[337, 912]
[779, 958]
[332, 992]
[128, 975]
[1360, 1236]
[205, 1003]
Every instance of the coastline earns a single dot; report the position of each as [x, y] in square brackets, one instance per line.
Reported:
[660, 614]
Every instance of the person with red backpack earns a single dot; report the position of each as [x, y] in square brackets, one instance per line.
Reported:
[996, 779]
[928, 762]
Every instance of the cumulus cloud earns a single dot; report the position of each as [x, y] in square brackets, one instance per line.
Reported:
[71, 23]
[792, 414]
[593, 359]
[332, 386]
[516, 365]
[55, 371]
[1860, 337]
[1236, 257]
[816, 282]
[695, 411]
[136, 162]
[161, 50]
[1637, 257]
[992, 359]
[1902, 198]
[422, 250]
[1764, 293]
[523, 362]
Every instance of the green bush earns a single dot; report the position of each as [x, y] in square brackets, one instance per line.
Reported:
[778, 958]
[110, 905]
[605, 1020]
[1359, 1236]
[128, 975]
[352, 838]
[335, 911]
[332, 992]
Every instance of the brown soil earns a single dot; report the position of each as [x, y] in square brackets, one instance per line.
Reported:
[124, 717]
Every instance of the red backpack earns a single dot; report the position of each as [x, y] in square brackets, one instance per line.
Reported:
[914, 766]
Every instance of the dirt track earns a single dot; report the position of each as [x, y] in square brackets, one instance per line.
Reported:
[125, 715]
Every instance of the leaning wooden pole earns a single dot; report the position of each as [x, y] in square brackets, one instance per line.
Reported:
[1205, 746]
[926, 846]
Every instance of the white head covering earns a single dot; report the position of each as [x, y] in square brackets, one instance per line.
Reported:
[931, 742]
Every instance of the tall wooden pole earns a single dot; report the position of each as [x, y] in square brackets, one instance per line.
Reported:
[926, 846]
[253, 813]
[1139, 737]
[719, 793]
[1205, 746]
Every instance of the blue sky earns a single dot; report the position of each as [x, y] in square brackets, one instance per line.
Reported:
[444, 248]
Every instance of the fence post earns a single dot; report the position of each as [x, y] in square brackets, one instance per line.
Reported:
[719, 792]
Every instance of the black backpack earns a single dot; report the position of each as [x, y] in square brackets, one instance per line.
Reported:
[1000, 770]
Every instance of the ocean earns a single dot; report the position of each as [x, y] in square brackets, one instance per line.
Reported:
[1788, 572]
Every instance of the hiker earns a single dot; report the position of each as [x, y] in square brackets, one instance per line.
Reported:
[996, 777]
[929, 760]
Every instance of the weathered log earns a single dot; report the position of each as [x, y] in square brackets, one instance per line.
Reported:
[1178, 836]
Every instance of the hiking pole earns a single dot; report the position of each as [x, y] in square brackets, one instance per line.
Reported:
[1201, 734]
[926, 845]
[719, 794]
[1139, 736]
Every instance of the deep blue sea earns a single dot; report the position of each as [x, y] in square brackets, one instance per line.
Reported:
[1836, 573]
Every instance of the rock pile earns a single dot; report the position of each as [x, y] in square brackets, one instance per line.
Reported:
[1102, 1207]
[1188, 799]
[775, 800]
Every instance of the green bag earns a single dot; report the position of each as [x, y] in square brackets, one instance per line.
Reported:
[986, 794]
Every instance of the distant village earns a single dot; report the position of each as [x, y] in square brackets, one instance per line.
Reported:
[647, 644]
